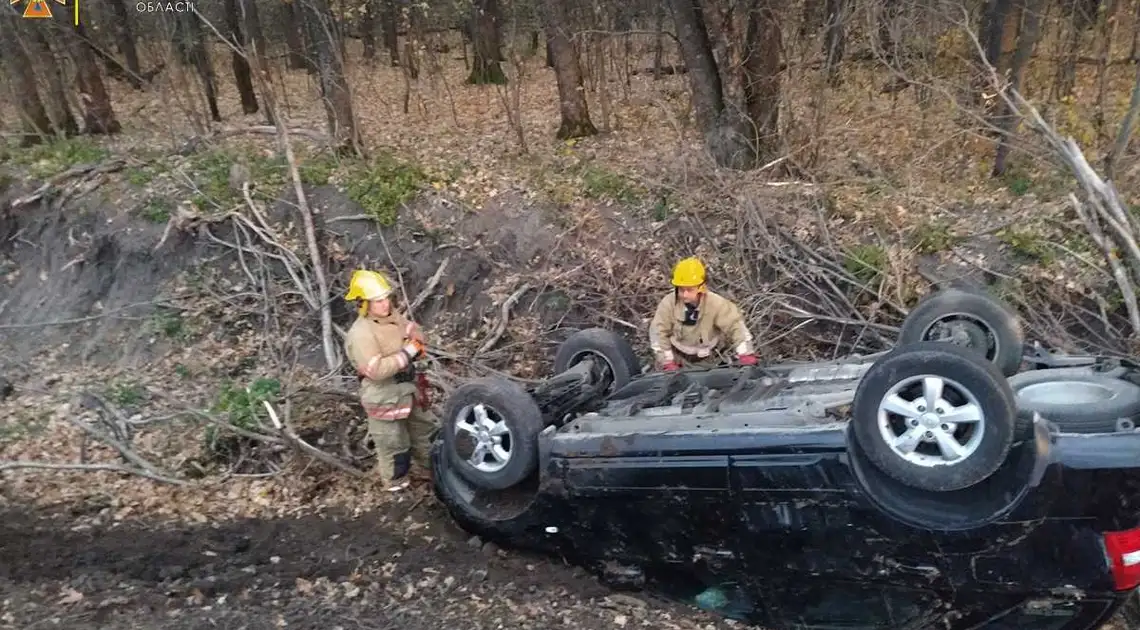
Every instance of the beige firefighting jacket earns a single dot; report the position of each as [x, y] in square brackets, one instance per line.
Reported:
[374, 346]
[718, 320]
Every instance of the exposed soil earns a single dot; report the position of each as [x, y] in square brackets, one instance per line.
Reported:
[407, 568]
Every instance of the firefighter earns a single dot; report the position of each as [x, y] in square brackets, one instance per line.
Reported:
[691, 322]
[383, 346]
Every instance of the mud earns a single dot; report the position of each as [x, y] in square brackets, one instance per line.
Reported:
[406, 568]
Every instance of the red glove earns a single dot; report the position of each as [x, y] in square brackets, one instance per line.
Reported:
[671, 366]
[747, 359]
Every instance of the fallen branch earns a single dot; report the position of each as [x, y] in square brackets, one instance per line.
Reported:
[304, 446]
[127, 454]
[504, 319]
[54, 181]
[19, 465]
[271, 130]
[430, 286]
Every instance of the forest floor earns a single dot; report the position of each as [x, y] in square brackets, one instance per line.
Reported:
[894, 185]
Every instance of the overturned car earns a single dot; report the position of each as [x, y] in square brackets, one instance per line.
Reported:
[961, 480]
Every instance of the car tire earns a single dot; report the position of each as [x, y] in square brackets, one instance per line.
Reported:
[1079, 400]
[970, 318]
[605, 344]
[483, 410]
[960, 377]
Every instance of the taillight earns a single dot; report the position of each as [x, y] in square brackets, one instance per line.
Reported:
[1124, 555]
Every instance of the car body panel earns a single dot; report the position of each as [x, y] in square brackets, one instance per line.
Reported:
[763, 499]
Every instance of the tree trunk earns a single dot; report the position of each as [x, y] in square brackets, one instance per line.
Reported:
[1107, 34]
[34, 116]
[1120, 145]
[696, 50]
[726, 131]
[240, 65]
[58, 108]
[309, 31]
[255, 46]
[98, 115]
[368, 31]
[1066, 78]
[761, 71]
[571, 94]
[835, 39]
[1021, 56]
[334, 87]
[125, 42]
[390, 31]
[194, 41]
[811, 18]
[486, 43]
[658, 38]
[293, 39]
[888, 26]
[1134, 52]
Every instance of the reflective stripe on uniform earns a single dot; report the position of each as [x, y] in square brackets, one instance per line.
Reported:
[388, 412]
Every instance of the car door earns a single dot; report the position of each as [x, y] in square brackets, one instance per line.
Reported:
[809, 564]
[653, 505]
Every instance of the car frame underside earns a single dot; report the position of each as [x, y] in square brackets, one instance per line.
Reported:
[819, 495]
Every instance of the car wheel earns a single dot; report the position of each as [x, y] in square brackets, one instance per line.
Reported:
[934, 416]
[969, 318]
[618, 361]
[1079, 400]
[490, 432]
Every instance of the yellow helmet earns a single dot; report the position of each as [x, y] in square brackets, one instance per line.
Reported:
[689, 273]
[369, 285]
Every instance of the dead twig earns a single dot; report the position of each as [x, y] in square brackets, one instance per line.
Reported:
[19, 465]
[304, 446]
[430, 286]
[504, 319]
[127, 454]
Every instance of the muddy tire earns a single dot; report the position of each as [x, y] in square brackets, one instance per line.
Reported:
[1079, 400]
[934, 416]
[970, 318]
[610, 347]
[490, 433]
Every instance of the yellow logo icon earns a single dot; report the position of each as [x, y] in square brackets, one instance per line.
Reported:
[37, 9]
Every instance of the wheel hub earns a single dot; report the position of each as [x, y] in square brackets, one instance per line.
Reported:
[930, 420]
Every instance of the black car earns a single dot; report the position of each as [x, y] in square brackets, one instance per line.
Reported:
[976, 484]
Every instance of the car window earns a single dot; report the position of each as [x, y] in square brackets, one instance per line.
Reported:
[851, 606]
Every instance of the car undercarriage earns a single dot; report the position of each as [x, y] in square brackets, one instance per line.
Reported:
[939, 484]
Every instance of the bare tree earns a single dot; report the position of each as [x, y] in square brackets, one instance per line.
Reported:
[125, 41]
[37, 124]
[835, 38]
[98, 114]
[59, 110]
[368, 30]
[240, 65]
[190, 43]
[486, 40]
[335, 93]
[1025, 44]
[293, 39]
[761, 76]
[1120, 145]
[728, 135]
[571, 93]
[389, 28]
